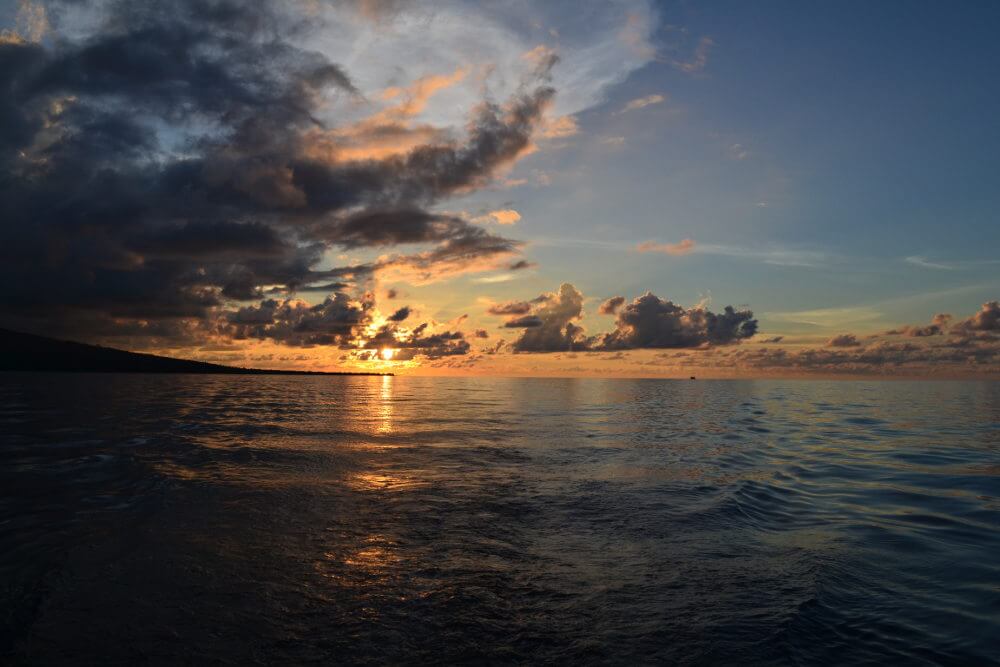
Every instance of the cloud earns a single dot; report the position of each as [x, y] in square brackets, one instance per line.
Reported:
[611, 306]
[400, 315]
[503, 216]
[559, 127]
[32, 22]
[738, 152]
[924, 263]
[647, 322]
[335, 321]
[683, 248]
[492, 280]
[642, 102]
[971, 346]
[843, 340]
[510, 308]
[698, 60]
[409, 344]
[524, 322]
[551, 327]
[652, 322]
[986, 320]
[937, 327]
[165, 162]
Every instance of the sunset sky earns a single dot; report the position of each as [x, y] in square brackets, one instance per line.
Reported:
[563, 188]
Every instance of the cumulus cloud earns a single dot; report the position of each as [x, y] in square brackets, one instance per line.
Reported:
[684, 247]
[652, 322]
[843, 340]
[552, 327]
[937, 327]
[335, 321]
[611, 306]
[971, 346]
[647, 322]
[986, 320]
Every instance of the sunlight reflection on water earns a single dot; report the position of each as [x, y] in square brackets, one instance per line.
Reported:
[408, 519]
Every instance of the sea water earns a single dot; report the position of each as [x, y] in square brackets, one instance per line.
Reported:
[156, 519]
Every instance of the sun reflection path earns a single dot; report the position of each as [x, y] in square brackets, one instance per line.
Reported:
[385, 407]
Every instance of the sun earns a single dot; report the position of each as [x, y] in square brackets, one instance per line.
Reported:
[387, 353]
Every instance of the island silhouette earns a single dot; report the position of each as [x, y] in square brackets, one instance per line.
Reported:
[28, 352]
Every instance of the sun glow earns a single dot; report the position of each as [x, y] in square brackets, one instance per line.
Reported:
[387, 353]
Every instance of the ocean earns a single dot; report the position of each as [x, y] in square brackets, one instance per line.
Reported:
[192, 519]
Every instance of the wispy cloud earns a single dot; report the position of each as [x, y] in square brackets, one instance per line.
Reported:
[684, 247]
[739, 152]
[773, 255]
[499, 278]
[828, 317]
[642, 102]
[923, 262]
[698, 59]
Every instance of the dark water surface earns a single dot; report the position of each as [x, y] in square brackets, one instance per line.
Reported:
[241, 520]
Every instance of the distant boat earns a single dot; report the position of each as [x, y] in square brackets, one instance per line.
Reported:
[693, 378]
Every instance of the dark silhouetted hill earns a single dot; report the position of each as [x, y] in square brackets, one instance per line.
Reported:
[27, 352]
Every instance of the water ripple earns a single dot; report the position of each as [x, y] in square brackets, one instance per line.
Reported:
[372, 520]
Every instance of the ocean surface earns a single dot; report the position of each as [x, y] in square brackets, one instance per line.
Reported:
[152, 519]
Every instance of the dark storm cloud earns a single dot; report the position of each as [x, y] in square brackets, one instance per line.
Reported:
[161, 167]
[293, 322]
[373, 228]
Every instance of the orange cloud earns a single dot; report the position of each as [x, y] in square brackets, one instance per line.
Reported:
[560, 127]
[503, 216]
[683, 248]
[417, 94]
[32, 24]
[389, 131]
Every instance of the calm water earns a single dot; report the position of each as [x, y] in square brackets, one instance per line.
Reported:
[194, 519]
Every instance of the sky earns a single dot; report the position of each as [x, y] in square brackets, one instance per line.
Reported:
[626, 189]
